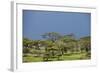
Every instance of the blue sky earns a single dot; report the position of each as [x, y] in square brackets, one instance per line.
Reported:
[36, 23]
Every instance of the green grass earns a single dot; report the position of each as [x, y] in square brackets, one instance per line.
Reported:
[32, 59]
[80, 56]
[77, 56]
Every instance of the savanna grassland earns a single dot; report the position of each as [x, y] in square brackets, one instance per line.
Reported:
[56, 47]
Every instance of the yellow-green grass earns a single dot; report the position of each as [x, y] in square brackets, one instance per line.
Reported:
[80, 56]
[75, 56]
[32, 59]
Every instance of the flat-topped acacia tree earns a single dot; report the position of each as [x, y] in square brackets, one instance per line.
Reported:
[53, 36]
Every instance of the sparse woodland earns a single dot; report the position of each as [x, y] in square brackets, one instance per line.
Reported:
[56, 47]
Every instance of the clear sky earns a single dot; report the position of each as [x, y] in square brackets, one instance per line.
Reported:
[36, 23]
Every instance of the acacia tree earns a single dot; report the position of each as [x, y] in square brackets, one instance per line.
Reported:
[52, 47]
[85, 43]
[27, 44]
[53, 36]
[71, 43]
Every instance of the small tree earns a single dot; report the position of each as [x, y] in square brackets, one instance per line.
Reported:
[86, 43]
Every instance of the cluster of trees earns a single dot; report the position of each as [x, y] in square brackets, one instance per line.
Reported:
[55, 45]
